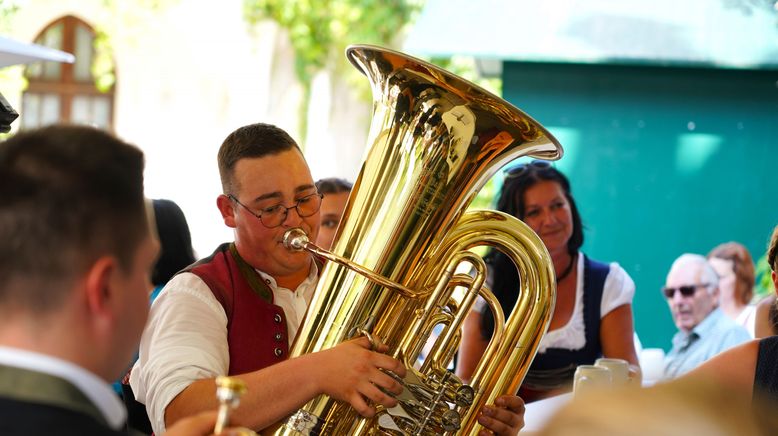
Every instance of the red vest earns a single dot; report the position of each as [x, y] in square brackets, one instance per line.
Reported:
[256, 328]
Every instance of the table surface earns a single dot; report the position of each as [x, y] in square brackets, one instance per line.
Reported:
[538, 412]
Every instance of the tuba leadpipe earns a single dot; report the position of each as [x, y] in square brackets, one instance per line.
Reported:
[435, 140]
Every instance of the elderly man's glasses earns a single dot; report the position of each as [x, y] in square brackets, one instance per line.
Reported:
[274, 216]
[686, 290]
[522, 168]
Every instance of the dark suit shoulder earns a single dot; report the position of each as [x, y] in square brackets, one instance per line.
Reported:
[25, 418]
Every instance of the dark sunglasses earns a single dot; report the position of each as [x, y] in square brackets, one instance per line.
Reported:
[522, 168]
[686, 290]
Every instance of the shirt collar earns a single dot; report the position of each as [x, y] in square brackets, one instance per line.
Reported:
[702, 329]
[313, 276]
[709, 323]
[96, 389]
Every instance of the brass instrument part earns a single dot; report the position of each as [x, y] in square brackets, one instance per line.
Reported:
[434, 141]
[228, 392]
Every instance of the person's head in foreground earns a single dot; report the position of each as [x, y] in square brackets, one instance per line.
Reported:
[76, 250]
[688, 407]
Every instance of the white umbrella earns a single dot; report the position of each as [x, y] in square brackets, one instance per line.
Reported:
[14, 52]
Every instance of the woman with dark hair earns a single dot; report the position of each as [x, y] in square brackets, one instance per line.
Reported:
[175, 241]
[593, 313]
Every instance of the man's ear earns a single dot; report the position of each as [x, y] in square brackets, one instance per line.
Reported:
[775, 281]
[227, 210]
[100, 292]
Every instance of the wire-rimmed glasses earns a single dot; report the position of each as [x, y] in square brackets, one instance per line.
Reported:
[274, 216]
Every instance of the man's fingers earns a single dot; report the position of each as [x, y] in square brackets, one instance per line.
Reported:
[377, 396]
[511, 402]
[386, 382]
[506, 417]
[490, 419]
[361, 406]
[389, 363]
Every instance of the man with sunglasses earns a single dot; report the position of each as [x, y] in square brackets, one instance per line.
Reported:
[692, 291]
[237, 311]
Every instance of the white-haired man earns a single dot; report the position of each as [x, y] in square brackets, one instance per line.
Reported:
[691, 290]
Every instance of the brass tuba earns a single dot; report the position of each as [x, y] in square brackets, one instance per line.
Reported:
[434, 141]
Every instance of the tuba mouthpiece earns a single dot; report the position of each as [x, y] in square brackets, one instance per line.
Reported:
[295, 239]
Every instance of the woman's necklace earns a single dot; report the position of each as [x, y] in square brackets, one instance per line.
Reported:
[567, 270]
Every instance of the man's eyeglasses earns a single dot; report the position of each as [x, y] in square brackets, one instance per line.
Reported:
[686, 290]
[522, 168]
[274, 216]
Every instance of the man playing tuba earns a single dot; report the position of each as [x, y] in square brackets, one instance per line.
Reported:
[237, 311]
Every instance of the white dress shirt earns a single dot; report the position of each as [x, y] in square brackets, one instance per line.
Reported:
[185, 339]
[100, 393]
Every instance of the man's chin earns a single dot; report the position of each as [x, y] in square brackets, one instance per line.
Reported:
[681, 321]
[298, 260]
[686, 326]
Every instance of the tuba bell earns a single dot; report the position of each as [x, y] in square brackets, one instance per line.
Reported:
[394, 269]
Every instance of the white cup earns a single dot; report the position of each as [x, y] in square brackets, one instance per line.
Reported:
[652, 364]
[589, 378]
[619, 369]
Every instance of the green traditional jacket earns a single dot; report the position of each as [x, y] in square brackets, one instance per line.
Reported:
[36, 387]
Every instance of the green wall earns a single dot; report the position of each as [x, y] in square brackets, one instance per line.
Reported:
[662, 161]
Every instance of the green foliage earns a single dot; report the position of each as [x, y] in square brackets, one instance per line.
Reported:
[484, 199]
[764, 283]
[8, 9]
[464, 67]
[103, 65]
[320, 31]
[119, 15]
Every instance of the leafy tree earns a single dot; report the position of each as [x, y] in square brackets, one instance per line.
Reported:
[119, 15]
[321, 30]
[764, 283]
[7, 10]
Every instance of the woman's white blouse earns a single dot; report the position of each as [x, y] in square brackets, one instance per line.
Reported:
[619, 289]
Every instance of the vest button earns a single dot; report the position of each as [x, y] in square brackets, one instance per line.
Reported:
[278, 337]
[279, 352]
[277, 319]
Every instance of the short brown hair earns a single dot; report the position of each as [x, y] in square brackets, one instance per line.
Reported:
[742, 265]
[68, 195]
[252, 141]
